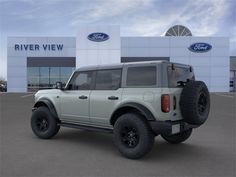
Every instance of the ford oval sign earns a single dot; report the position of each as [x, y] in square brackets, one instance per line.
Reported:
[200, 47]
[98, 37]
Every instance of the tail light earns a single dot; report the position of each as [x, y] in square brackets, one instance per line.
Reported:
[165, 103]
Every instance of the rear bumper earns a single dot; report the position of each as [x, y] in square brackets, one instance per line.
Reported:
[170, 127]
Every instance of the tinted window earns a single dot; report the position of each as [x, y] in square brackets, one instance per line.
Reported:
[81, 81]
[108, 79]
[141, 76]
[179, 74]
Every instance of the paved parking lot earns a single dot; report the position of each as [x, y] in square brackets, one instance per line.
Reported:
[211, 151]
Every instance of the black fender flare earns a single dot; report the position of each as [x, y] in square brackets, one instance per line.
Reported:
[127, 106]
[48, 103]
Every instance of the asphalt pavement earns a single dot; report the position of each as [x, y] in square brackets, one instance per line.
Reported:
[210, 151]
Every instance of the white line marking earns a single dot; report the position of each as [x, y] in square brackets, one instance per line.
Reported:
[24, 96]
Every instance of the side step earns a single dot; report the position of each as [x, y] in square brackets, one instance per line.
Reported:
[84, 127]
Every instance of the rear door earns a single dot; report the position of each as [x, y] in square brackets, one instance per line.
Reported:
[106, 95]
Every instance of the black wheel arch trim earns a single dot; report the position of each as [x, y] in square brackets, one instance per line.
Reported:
[141, 108]
[48, 103]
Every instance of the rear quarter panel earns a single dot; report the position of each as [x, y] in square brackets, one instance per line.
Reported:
[151, 99]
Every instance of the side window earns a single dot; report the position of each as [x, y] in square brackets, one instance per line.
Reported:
[108, 79]
[81, 81]
[141, 76]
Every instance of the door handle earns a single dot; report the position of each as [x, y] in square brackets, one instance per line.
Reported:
[113, 98]
[83, 97]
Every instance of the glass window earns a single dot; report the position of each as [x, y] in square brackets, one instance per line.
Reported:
[141, 76]
[81, 81]
[33, 78]
[44, 72]
[54, 73]
[44, 82]
[33, 71]
[46, 77]
[108, 79]
[179, 74]
[66, 72]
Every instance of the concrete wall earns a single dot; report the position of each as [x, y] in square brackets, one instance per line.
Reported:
[96, 53]
[17, 56]
[212, 67]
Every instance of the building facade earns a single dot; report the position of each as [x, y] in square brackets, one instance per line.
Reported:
[38, 62]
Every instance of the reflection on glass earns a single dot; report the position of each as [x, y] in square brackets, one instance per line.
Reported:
[66, 72]
[54, 72]
[33, 71]
[46, 77]
[44, 82]
[44, 71]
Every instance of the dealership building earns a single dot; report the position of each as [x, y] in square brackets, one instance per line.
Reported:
[38, 62]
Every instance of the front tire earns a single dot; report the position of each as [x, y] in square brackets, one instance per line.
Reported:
[133, 136]
[178, 138]
[43, 124]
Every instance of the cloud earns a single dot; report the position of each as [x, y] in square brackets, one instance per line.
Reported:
[202, 17]
[136, 18]
[205, 16]
[104, 9]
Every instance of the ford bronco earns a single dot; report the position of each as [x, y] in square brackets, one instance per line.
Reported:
[134, 101]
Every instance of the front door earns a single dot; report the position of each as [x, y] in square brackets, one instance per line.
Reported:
[75, 98]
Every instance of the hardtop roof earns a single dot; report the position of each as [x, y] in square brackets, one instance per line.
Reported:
[120, 65]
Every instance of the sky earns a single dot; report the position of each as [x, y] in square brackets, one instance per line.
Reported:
[135, 17]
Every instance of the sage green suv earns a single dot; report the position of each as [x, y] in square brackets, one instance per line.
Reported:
[134, 101]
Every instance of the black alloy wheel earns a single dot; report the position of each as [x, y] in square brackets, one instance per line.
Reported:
[202, 103]
[130, 136]
[42, 124]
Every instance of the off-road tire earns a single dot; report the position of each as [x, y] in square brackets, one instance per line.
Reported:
[195, 102]
[132, 125]
[177, 138]
[43, 124]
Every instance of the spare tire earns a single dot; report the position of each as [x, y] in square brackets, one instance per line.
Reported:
[195, 102]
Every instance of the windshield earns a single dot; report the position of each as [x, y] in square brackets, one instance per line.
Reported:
[179, 75]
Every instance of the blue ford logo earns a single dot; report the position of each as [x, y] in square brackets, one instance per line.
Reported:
[98, 37]
[200, 47]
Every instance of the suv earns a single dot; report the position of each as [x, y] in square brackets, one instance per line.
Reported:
[134, 101]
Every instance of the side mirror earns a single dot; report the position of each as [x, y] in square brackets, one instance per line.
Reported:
[59, 85]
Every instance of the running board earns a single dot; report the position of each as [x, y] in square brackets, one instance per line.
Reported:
[84, 127]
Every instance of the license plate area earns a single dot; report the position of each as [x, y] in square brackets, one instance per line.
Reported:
[175, 128]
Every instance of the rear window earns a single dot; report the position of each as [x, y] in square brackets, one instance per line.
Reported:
[179, 74]
[141, 76]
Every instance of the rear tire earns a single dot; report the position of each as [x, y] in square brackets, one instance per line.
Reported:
[133, 136]
[43, 124]
[178, 138]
